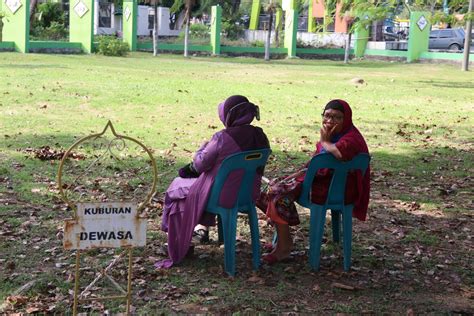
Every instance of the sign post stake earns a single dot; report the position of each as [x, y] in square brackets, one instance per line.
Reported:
[76, 281]
[129, 286]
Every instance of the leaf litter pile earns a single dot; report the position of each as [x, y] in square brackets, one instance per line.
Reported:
[413, 255]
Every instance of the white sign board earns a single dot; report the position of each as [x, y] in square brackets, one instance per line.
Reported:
[422, 23]
[128, 13]
[105, 225]
[13, 5]
[80, 8]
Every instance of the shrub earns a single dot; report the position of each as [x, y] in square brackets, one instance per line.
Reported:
[232, 30]
[257, 43]
[56, 31]
[49, 22]
[112, 46]
[196, 31]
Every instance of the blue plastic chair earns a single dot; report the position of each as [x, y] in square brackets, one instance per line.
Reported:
[334, 202]
[249, 161]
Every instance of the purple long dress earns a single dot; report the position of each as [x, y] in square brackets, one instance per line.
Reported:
[186, 198]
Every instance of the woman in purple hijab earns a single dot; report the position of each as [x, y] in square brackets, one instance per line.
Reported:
[186, 197]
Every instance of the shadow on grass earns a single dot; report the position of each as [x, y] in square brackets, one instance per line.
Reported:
[449, 84]
[434, 175]
[253, 60]
[397, 253]
[33, 66]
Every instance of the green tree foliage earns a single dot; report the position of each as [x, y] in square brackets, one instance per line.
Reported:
[49, 22]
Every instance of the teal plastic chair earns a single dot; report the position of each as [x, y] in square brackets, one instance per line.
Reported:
[334, 202]
[249, 161]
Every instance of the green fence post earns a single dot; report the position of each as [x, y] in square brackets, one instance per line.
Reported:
[311, 19]
[291, 23]
[360, 41]
[216, 18]
[254, 15]
[16, 26]
[129, 22]
[81, 23]
[419, 38]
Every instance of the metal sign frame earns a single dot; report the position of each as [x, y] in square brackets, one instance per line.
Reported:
[127, 295]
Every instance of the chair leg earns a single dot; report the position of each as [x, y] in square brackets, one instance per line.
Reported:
[220, 229]
[336, 225]
[229, 223]
[317, 220]
[253, 221]
[347, 239]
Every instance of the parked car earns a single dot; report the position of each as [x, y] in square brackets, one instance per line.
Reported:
[451, 39]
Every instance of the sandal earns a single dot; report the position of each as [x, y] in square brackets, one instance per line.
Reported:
[269, 259]
[201, 236]
[268, 246]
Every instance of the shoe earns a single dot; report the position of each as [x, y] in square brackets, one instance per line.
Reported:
[268, 246]
[201, 236]
[269, 259]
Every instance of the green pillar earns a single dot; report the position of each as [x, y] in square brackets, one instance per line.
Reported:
[16, 26]
[81, 23]
[311, 19]
[360, 41]
[216, 18]
[254, 15]
[291, 26]
[419, 35]
[129, 22]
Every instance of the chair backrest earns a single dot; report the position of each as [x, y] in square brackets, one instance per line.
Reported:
[249, 162]
[337, 187]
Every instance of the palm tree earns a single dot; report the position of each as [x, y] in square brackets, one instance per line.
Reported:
[155, 4]
[270, 9]
[188, 6]
[155, 27]
[2, 16]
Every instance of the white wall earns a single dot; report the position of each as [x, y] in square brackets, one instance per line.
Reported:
[163, 21]
[313, 39]
[142, 24]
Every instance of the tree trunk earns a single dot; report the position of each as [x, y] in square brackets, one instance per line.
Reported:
[277, 33]
[33, 4]
[467, 40]
[1, 30]
[348, 44]
[155, 31]
[269, 36]
[235, 7]
[277, 36]
[186, 32]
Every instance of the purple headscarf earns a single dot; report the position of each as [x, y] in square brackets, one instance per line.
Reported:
[237, 110]
[236, 113]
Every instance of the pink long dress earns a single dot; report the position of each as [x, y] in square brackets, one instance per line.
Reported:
[186, 198]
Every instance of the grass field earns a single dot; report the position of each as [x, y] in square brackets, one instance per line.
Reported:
[415, 252]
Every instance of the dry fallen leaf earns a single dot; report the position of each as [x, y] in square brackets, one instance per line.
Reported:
[342, 286]
[256, 279]
[17, 299]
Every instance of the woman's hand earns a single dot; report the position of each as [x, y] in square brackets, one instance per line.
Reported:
[326, 142]
[326, 133]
